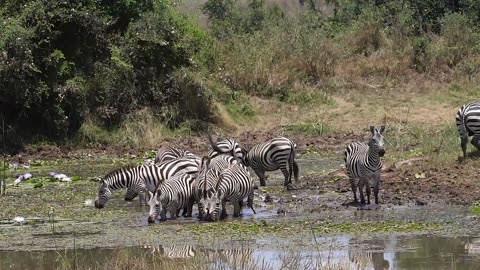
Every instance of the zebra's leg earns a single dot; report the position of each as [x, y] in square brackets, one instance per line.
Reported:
[250, 202]
[163, 214]
[361, 184]
[369, 191]
[376, 187]
[224, 210]
[173, 210]
[286, 175]
[295, 171]
[354, 189]
[237, 209]
[261, 175]
[130, 195]
[476, 141]
[200, 210]
[463, 143]
[189, 207]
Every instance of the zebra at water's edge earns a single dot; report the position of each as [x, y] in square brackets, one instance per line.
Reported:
[143, 178]
[363, 162]
[468, 124]
[277, 153]
[207, 178]
[234, 184]
[171, 196]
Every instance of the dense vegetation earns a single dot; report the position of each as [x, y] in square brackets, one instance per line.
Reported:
[79, 69]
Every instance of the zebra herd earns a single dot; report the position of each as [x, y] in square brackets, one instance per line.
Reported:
[179, 178]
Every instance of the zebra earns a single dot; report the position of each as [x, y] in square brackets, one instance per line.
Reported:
[277, 153]
[468, 124]
[228, 147]
[143, 178]
[207, 176]
[168, 153]
[165, 153]
[172, 195]
[233, 184]
[363, 162]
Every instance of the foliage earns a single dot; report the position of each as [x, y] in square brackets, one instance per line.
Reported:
[61, 61]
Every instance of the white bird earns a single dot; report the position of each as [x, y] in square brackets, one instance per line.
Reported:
[88, 202]
[19, 219]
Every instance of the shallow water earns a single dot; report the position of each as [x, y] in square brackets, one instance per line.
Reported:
[415, 252]
[125, 228]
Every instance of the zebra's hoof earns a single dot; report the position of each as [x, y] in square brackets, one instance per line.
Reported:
[291, 187]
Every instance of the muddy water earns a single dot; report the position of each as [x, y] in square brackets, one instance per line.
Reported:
[124, 233]
[420, 252]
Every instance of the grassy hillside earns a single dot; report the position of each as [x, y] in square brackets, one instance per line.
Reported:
[324, 67]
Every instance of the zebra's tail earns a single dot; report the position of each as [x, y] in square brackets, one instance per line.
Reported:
[292, 165]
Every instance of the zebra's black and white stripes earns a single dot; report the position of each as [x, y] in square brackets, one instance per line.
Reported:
[227, 147]
[278, 153]
[363, 162]
[207, 178]
[168, 153]
[175, 193]
[141, 179]
[468, 124]
[234, 184]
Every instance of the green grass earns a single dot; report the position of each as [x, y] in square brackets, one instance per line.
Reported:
[311, 128]
[413, 140]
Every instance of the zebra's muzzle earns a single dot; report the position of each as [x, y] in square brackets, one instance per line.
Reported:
[151, 219]
[98, 205]
[381, 153]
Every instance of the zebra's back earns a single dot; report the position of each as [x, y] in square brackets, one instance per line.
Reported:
[270, 155]
[228, 147]
[155, 174]
[167, 152]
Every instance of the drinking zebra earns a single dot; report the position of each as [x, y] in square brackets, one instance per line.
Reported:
[233, 184]
[143, 178]
[228, 147]
[207, 177]
[468, 124]
[172, 195]
[363, 162]
[168, 153]
[278, 153]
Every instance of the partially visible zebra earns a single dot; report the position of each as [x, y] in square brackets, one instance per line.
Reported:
[172, 195]
[167, 152]
[234, 184]
[207, 178]
[277, 153]
[143, 178]
[228, 147]
[363, 162]
[468, 124]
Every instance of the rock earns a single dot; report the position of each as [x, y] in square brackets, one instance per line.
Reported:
[420, 203]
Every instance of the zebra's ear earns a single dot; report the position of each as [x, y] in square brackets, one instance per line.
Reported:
[372, 129]
[382, 129]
